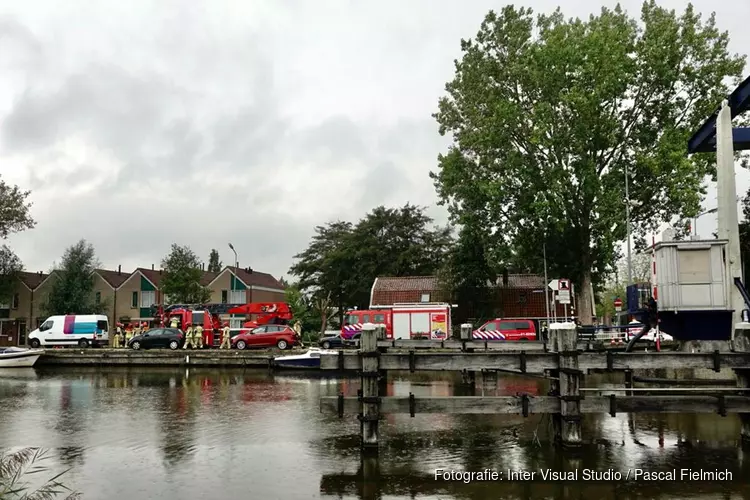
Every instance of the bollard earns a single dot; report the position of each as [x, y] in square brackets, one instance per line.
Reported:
[370, 401]
[742, 344]
[563, 338]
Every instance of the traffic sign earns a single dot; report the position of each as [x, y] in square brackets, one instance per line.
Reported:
[618, 304]
[563, 296]
[554, 285]
[564, 284]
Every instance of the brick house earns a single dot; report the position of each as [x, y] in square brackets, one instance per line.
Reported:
[234, 285]
[522, 296]
[23, 313]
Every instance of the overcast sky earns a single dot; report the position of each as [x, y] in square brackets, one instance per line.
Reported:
[137, 124]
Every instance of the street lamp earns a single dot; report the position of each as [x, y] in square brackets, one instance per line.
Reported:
[236, 264]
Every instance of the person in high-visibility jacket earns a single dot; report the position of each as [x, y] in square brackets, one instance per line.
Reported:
[198, 333]
[144, 328]
[189, 336]
[225, 337]
[173, 323]
[137, 330]
[128, 334]
[118, 337]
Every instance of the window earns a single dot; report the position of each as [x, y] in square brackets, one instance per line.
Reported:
[522, 298]
[98, 297]
[508, 325]
[16, 300]
[379, 318]
[224, 296]
[197, 318]
[102, 325]
[46, 326]
[366, 318]
[490, 327]
[425, 297]
[134, 300]
[352, 319]
[237, 297]
[148, 299]
[156, 332]
[260, 329]
[275, 328]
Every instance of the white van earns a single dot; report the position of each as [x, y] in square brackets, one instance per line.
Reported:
[80, 330]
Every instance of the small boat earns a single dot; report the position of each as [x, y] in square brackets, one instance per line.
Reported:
[17, 357]
[309, 359]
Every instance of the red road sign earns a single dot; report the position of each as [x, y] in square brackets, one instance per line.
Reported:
[618, 302]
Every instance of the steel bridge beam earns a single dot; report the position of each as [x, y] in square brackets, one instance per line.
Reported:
[704, 139]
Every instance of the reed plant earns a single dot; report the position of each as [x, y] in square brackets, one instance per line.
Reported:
[20, 469]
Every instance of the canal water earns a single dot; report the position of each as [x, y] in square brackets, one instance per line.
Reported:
[128, 434]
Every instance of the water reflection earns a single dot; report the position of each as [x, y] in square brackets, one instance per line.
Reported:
[192, 434]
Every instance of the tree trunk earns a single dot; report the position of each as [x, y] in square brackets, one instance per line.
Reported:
[585, 300]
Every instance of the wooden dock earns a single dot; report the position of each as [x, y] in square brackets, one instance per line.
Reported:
[159, 357]
[564, 361]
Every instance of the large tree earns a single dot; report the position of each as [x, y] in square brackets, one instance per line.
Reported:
[343, 259]
[181, 281]
[72, 289]
[15, 216]
[547, 113]
[214, 264]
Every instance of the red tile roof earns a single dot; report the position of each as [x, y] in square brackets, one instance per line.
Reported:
[255, 278]
[208, 277]
[32, 280]
[529, 281]
[389, 290]
[114, 278]
[154, 276]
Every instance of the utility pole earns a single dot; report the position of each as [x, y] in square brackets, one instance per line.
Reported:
[546, 280]
[627, 222]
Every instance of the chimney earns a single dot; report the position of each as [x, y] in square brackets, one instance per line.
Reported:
[119, 269]
[152, 267]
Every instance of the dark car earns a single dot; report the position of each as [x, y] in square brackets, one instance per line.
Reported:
[172, 338]
[330, 341]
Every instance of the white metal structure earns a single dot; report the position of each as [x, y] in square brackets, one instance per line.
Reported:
[692, 275]
[430, 320]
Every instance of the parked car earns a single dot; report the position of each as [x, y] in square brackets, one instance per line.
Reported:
[506, 329]
[172, 338]
[332, 340]
[281, 336]
[650, 336]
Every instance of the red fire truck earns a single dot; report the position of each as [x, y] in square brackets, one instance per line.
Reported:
[402, 321]
[207, 315]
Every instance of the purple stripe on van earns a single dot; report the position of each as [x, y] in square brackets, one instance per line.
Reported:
[68, 324]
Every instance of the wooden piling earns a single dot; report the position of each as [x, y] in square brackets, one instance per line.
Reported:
[742, 344]
[563, 337]
[370, 400]
[382, 374]
[468, 377]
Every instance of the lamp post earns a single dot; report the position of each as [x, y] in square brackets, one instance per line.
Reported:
[231, 247]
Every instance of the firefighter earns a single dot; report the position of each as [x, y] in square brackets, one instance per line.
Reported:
[136, 329]
[128, 334]
[145, 327]
[198, 334]
[174, 322]
[189, 336]
[118, 336]
[225, 337]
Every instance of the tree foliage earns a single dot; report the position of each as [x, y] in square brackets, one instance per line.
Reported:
[214, 264]
[15, 216]
[72, 289]
[466, 273]
[182, 277]
[343, 259]
[546, 114]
